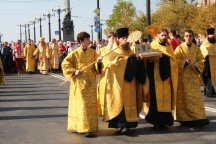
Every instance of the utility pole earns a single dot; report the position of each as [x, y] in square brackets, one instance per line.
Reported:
[98, 7]
[59, 10]
[49, 24]
[33, 22]
[40, 19]
[20, 25]
[0, 37]
[148, 16]
[91, 25]
[28, 30]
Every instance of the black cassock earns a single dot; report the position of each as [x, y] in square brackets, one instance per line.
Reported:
[154, 117]
[207, 79]
[134, 68]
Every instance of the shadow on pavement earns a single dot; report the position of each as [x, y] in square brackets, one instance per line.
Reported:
[31, 117]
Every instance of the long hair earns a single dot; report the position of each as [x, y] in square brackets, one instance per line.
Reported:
[163, 30]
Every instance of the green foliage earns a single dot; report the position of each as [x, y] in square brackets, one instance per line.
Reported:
[125, 15]
[182, 15]
[177, 14]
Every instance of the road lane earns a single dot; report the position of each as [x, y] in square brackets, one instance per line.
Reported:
[33, 110]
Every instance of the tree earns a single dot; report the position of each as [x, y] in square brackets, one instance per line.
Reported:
[178, 14]
[140, 23]
[205, 19]
[123, 15]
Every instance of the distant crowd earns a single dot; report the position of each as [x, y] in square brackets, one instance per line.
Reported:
[9, 52]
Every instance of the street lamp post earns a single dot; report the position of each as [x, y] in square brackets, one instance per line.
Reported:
[49, 15]
[0, 37]
[40, 19]
[101, 24]
[33, 22]
[91, 25]
[24, 25]
[148, 16]
[59, 10]
[28, 31]
[98, 7]
[20, 25]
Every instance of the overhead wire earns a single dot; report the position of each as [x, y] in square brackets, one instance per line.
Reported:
[26, 1]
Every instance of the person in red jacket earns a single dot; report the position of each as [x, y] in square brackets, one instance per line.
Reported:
[62, 49]
[174, 39]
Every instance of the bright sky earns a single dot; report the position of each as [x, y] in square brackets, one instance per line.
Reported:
[15, 12]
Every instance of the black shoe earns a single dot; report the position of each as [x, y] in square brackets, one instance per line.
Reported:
[158, 127]
[203, 123]
[163, 127]
[183, 124]
[125, 131]
[88, 134]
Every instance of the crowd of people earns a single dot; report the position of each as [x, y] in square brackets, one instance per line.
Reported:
[166, 85]
[18, 57]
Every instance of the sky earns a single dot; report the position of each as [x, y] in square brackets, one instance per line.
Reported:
[16, 12]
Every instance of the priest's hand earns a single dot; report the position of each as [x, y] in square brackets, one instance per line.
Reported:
[78, 72]
[99, 59]
[159, 55]
[138, 56]
[188, 61]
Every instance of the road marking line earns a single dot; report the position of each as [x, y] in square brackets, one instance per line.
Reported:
[140, 115]
[210, 108]
[58, 76]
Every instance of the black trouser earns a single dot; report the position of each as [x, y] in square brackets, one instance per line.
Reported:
[7, 65]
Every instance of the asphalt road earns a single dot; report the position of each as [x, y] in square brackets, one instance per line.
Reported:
[33, 110]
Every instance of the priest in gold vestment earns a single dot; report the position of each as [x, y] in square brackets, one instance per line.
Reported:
[208, 49]
[54, 56]
[29, 57]
[101, 89]
[82, 110]
[190, 110]
[121, 70]
[162, 72]
[43, 55]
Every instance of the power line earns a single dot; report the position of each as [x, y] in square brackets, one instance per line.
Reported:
[26, 1]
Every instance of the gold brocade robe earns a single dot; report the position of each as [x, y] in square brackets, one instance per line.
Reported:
[101, 88]
[29, 56]
[82, 110]
[166, 91]
[209, 49]
[114, 91]
[2, 77]
[189, 101]
[42, 53]
[54, 56]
